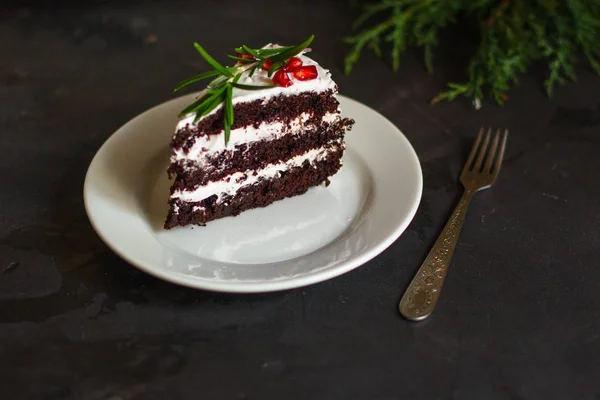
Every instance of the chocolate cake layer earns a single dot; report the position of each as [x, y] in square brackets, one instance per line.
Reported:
[281, 108]
[293, 182]
[255, 155]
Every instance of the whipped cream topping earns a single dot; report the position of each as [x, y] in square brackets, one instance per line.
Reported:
[232, 183]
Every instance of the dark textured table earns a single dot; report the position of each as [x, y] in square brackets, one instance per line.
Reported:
[519, 317]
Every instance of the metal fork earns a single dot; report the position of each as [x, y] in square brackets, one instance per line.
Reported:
[422, 294]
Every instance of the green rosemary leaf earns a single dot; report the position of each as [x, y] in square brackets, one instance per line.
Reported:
[228, 115]
[193, 106]
[202, 108]
[215, 83]
[264, 53]
[251, 52]
[251, 87]
[237, 77]
[196, 78]
[291, 52]
[220, 90]
[212, 61]
[217, 89]
[252, 70]
[218, 100]
[214, 102]
[274, 68]
[219, 81]
[236, 58]
[229, 104]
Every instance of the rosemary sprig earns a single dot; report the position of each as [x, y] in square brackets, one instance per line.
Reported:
[220, 89]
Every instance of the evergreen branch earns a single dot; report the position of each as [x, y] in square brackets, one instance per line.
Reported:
[361, 40]
[513, 35]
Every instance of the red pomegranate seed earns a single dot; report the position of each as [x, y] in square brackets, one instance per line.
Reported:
[267, 64]
[281, 78]
[292, 64]
[306, 73]
[246, 56]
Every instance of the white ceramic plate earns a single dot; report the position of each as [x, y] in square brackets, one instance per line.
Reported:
[294, 242]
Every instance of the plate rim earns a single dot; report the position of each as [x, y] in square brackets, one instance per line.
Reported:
[259, 286]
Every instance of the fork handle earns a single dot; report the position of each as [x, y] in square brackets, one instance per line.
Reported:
[422, 294]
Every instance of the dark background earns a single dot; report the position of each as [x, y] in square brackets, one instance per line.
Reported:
[519, 317]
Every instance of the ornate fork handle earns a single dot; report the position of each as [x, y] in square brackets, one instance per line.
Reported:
[423, 292]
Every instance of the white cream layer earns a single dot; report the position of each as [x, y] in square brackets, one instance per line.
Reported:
[322, 83]
[229, 185]
[212, 144]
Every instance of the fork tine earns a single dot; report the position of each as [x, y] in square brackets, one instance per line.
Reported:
[473, 151]
[500, 155]
[488, 162]
[482, 151]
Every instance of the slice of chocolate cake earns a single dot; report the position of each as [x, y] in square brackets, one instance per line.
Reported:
[265, 129]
